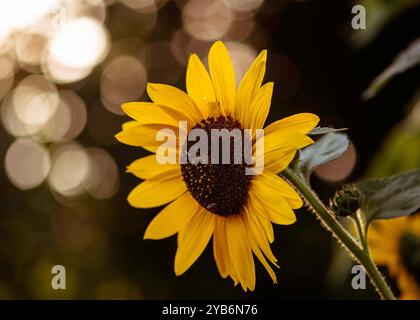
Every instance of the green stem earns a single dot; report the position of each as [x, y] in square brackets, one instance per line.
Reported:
[356, 251]
[360, 230]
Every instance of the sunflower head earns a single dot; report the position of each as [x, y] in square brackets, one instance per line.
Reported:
[410, 253]
[212, 198]
[395, 243]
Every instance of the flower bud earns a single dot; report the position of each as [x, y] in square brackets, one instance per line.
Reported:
[346, 201]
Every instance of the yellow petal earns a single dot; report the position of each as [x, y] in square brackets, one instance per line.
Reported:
[382, 255]
[383, 239]
[223, 77]
[301, 122]
[174, 99]
[147, 113]
[144, 134]
[195, 237]
[220, 251]
[129, 124]
[255, 246]
[172, 218]
[199, 85]
[248, 88]
[261, 217]
[262, 259]
[278, 160]
[256, 232]
[271, 183]
[240, 251]
[284, 140]
[277, 208]
[148, 167]
[261, 105]
[158, 191]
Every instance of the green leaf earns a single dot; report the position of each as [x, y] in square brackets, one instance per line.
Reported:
[390, 197]
[324, 130]
[404, 61]
[328, 148]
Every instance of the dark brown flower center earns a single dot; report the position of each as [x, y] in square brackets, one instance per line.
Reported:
[221, 188]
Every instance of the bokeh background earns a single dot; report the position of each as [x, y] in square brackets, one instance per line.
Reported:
[65, 68]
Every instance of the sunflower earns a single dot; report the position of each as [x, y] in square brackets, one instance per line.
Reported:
[395, 244]
[217, 201]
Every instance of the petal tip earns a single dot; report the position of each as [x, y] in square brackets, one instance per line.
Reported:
[177, 270]
[151, 86]
[119, 136]
[218, 45]
[124, 106]
[263, 55]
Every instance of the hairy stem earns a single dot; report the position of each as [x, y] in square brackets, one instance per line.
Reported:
[360, 254]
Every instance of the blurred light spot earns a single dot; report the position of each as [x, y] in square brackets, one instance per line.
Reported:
[64, 74]
[243, 5]
[242, 56]
[69, 171]
[124, 79]
[199, 47]
[103, 179]
[338, 169]
[145, 6]
[75, 49]
[178, 45]
[127, 46]
[162, 65]
[18, 14]
[182, 45]
[240, 30]
[35, 100]
[123, 21]
[6, 75]
[29, 48]
[206, 19]
[27, 163]
[58, 125]
[12, 123]
[78, 113]
[68, 120]
[80, 43]
[95, 9]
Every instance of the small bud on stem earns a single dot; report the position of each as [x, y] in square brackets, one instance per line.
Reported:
[346, 201]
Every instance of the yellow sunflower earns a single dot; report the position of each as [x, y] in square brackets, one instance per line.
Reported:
[217, 200]
[395, 244]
